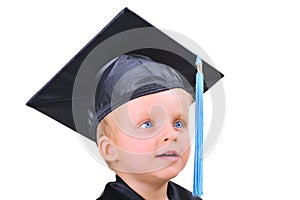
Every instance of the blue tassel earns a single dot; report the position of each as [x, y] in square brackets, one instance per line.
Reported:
[198, 159]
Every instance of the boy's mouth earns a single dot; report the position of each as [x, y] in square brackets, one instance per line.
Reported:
[168, 155]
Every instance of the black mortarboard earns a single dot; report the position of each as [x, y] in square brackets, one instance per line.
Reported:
[76, 96]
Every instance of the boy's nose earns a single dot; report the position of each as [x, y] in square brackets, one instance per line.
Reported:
[172, 138]
[170, 133]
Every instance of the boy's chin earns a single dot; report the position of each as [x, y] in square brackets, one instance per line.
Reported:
[164, 172]
[168, 172]
[157, 176]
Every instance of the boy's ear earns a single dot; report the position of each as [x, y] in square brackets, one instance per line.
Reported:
[106, 149]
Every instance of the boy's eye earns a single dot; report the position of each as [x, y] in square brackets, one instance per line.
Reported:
[178, 124]
[147, 124]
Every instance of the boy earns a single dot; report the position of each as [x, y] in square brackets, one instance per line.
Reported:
[146, 140]
[129, 90]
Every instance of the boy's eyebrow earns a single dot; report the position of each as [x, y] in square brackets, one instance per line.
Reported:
[140, 118]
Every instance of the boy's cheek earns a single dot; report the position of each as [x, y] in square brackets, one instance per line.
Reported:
[186, 154]
[136, 163]
[134, 145]
[184, 141]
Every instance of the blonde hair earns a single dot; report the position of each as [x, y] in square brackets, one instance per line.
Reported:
[104, 128]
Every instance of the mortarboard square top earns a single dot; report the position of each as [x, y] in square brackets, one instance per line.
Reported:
[83, 91]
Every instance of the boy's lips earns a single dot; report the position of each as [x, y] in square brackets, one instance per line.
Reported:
[168, 155]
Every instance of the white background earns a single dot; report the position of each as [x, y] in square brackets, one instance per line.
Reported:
[256, 44]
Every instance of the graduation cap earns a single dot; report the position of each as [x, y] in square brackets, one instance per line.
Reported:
[83, 91]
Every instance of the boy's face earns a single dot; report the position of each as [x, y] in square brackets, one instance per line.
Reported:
[150, 134]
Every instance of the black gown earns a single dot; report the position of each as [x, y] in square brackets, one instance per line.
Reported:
[119, 190]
